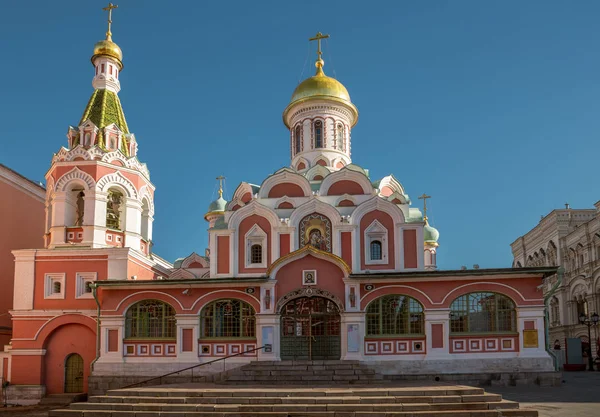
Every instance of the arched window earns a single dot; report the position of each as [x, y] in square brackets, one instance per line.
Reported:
[376, 252]
[340, 137]
[483, 312]
[298, 140]
[56, 287]
[318, 134]
[150, 319]
[256, 254]
[227, 318]
[113, 210]
[395, 315]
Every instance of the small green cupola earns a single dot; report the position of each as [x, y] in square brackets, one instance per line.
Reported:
[217, 207]
[430, 234]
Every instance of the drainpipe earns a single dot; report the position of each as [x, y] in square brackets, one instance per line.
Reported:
[95, 294]
[547, 297]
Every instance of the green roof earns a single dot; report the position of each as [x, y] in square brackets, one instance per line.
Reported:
[104, 109]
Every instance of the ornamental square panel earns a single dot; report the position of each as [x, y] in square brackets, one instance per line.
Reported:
[459, 345]
[143, 350]
[171, 350]
[387, 347]
[157, 350]
[129, 350]
[402, 347]
[250, 347]
[475, 345]
[220, 349]
[418, 346]
[491, 345]
[507, 344]
[371, 348]
[204, 350]
[233, 349]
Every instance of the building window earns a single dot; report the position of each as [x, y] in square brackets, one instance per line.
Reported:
[554, 312]
[256, 254]
[340, 137]
[318, 134]
[83, 285]
[395, 315]
[54, 286]
[376, 247]
[298, 140]
[582, 308]
[113, 210]
[150, 319]
[376, 250]
[256, 247]
[483, 312]
[227, 319]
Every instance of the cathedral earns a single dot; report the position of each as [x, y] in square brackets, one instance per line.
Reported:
[318, 261]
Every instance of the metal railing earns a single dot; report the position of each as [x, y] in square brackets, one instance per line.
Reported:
[159, 378]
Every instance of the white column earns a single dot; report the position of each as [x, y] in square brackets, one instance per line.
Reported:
[267, 332]
[353, 335]
[133, 223]
[98, 230]
[441, 316]
[535, 314]
[24, 279]
[108, 323]
[187, 321]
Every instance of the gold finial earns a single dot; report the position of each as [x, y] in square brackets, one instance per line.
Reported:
[109, 9]
[220, 178]
[424, 197]
[319, 64]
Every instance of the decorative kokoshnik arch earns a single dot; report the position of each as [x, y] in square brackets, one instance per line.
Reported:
[308, 292]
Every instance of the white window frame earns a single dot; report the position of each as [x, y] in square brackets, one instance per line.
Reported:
[256, 236]
[376, 231]
[49, 281]
[81, 279]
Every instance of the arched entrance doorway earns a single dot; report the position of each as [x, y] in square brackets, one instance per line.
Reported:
[310, 329]
[74, 373]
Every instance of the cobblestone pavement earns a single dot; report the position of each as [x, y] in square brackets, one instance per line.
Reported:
[579, 396]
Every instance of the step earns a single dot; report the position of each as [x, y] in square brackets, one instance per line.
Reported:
[295, 406]
[473, 413]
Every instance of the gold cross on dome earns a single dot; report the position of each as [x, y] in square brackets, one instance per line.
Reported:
[220, 178]
[424, 197]
[109, 9]
[318, 38]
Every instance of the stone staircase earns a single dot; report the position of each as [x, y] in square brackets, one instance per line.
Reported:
[433, 400]
[303, 373]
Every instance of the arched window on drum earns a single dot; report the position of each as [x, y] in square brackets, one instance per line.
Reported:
[227, 319]
[298, 140]
[483, 312]
[395, 315]
[150, 319]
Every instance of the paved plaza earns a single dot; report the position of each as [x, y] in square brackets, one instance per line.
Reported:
[579, 396]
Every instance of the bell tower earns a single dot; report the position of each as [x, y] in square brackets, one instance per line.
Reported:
[98, 192]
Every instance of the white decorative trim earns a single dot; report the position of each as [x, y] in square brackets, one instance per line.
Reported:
[256, 236]
[345, 197]
[115, 155]
[391, 182]
[194, 257]
[78, 152]
[50, 280]
[317, 170]
[346, 174]
[81, 282]
[251, 208]
[285, 199]
[78, 176]
[284, 176]
[117, 178]
[144, 193]
[378, 203]
[314, 205]
[376, 232]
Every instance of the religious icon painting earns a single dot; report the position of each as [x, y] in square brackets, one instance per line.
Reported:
[309, 277]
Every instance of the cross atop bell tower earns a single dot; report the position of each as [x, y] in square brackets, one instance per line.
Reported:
[109, 9]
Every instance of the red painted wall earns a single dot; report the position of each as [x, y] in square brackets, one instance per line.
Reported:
[222, 254]
[284, 244]
[410, 249]
[345, 187]
[437, 335]
[347, 247]
[22, 220]
[387, 222]
[67, 339]
[286, 189]
[245, 226]
[329, 276]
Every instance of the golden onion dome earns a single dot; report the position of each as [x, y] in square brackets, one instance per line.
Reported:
[320, 86]
[107, 47]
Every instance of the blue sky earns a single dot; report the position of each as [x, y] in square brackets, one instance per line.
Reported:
[490, 107]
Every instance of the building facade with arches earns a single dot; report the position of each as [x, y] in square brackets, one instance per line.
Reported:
[569, 238]
[319, 261]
